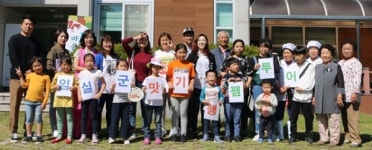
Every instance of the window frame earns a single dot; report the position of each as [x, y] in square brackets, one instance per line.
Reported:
[232, 2]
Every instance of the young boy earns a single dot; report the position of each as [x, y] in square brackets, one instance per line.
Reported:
[266, 105]
[232, 110]
[211, 94]
[302, 96]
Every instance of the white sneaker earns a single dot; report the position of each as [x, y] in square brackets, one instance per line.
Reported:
[111, 140]
[256, 137]
[55, 133]
[14, 138]
[133, 136]
[163, 132]
[126, 142]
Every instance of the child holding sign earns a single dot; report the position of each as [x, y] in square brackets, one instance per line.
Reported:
[154, 87]
[64, 82]
[120, 107]
[37, 95]
[88, 96]
[233, 85]
[211, 96]
[266, 105]
[180, 77]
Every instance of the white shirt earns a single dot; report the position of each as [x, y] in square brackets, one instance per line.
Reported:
[109, 70]
[202, 66]
[306, 83]
[148, 99]
[315, 62]
[92, 74]
[283, 66]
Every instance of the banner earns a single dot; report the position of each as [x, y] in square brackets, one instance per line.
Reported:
[76, 25]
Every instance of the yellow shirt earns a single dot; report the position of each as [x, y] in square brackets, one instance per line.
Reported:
[38, 87]
[63, 101]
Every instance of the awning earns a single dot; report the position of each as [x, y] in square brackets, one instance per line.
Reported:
[312, 9]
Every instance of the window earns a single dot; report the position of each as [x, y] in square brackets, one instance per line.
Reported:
[224, 17]
[282, 35]
[323, 35]
[110, 21]
[136, 19]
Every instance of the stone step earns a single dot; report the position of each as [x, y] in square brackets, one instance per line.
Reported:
[5, 103]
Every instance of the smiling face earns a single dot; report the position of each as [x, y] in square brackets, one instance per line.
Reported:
[37, 67]
[326, 55]
[223, 39]
[264, 50]
[313, 52]
[202, 42]
[66, 67]
[107, 46]
[238, 49]
[287, 55]
[181, 54]
[89, 41]
[164, 43]
[347, 50]
[62, 38]
[143, 42]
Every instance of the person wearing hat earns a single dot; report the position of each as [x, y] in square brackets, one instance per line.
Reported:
[285, 93]
[188, 38]
[302, 97]
[313, 48]
[153, 105]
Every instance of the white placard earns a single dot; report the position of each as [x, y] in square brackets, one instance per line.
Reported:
[123, 80]
[58, 65]
[181, 82]
[236, 94]
[267, 68]
[212, 111]
[64, 82]
[87, 88]
[291, 76]
[154, 89]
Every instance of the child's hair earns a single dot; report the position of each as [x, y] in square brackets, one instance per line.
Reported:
[164, 34]
[36, 59]
[266, 82]
[89, 55]
[84, 35]
[121, 60]
[231, 61]
[66, 60]
[215, 73]
[180, 46]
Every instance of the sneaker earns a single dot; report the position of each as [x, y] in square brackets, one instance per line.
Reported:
[205, 138]
[237, 139]
[260, 140]
[320, 143]
[27, 139]
[14, 138]
[95, 140]
[126, 142]
[163, 132]
[39, 140]
[174, 138]
[332, 144]
[81, 140]
[158, 141]
[309, 140]
[111, 141]
[183, 138]
[133, 136]
[291, 140]
[227, 139]
[146, 141]
[68, 141]
[56, 140]
[269, 141]
[55, 133]
[347, 141]
[256, 137]
[217, 139]
[354, 144]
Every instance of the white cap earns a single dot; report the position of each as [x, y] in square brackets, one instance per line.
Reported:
[289, 46]
[156, 62]
[313, 43]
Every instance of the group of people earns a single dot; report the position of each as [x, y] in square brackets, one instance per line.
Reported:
[190, 78]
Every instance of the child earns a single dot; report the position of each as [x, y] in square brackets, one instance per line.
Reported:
[37, 95]
[266, 105]
[211, 93]
[179, 101]
[120, 109]
[92, 73]
[232, 110]
[154, 104]
[64, 104]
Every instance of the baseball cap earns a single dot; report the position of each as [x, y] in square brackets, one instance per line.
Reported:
[188, 30]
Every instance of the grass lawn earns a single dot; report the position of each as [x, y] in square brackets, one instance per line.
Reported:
[247, 143]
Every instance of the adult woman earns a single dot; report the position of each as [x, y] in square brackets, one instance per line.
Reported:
[87, 42]
[139, 55]
[329, 88]
[352, 69]
[203, 61]
[56, 53]
[106, 62]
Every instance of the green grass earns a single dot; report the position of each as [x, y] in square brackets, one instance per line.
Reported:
[247, 143]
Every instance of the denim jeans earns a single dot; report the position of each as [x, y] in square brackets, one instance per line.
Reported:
[214, 127]
[157, 111]
[120, 111]
[33, 110]
[233, 112]
[256, 90]
[89, 106]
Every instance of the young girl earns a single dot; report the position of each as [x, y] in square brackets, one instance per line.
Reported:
[165, 54]
[64, 104]
[120, 109]
[37, 95]
[179, 101]
[153, 104]
[92, 73]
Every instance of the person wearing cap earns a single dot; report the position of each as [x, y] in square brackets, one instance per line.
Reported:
[302, 96]
[222, 51]
[153, 105]
[188, 38]
[313, 48]
[285, 93]
[203, 61]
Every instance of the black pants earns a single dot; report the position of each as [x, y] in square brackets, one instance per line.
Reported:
[105, 98]
[120, 112]
[268, 124]
[193, 111]
[308, 114]
[89, 106]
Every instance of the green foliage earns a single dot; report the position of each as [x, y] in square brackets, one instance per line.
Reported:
[117, 48]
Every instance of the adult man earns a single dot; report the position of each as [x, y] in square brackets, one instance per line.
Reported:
[22, 48]
[313, 48]
[188, 38]
[222, 51]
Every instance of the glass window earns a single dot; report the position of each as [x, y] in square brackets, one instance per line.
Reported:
[110, 21]
[323, 35]
[224, 14]
[136, 19]
[282, 35]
